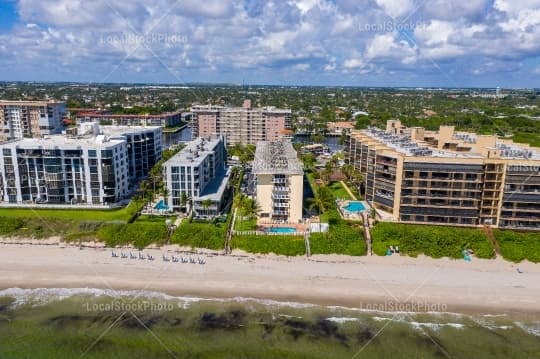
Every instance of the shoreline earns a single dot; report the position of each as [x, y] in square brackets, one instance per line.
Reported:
[449, 286]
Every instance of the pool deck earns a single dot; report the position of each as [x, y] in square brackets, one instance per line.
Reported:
[300, 227]
[353, 216]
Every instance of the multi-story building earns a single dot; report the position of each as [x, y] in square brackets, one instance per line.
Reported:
[144, 146]
[241, 125]
[169, 119]
[20, 119]
[280, 182]
[89, 166]
[199, 170]
[448, 177]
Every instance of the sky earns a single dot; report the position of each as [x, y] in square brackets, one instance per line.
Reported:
[415, 43]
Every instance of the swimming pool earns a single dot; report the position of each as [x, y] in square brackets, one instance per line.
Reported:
[355, 206]
[281, 230]
[161, 206]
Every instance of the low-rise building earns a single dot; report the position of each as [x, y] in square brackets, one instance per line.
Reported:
[167, 119]
[198, 173]
[23, 119]
[280, 182]
[448, 177]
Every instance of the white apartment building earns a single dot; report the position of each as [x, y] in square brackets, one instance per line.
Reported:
[199, 170]
[88, 166]
[280, 182]
[19, 119]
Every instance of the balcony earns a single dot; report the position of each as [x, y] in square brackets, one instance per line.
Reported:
[279, 195]
[280, 205]
[279, 180]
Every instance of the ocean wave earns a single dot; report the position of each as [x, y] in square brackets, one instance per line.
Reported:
[533, 329]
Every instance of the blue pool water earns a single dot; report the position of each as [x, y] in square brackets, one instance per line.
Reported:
[355, 207]
[161, 206]
[282, 230]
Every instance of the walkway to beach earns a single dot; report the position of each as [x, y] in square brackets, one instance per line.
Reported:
[348, 190]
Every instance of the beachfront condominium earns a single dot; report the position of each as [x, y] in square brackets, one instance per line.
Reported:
[447, 176]
[198, 173]
[280, 183]
[88, 166]
[241, 125]
[20, 119]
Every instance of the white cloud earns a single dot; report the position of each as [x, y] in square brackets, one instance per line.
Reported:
[396, 8]
[240, 37]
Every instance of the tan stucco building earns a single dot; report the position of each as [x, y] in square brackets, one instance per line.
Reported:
[280, 184]
[448, 177]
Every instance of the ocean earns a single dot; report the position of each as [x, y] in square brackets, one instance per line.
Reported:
[93, 323]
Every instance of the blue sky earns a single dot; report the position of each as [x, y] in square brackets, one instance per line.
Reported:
[296, 42]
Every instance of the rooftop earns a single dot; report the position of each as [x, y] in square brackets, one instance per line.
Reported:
[96, 114]
[64, 143]
[460, 144]
[196, 151]
[278, 157]
[31, 103]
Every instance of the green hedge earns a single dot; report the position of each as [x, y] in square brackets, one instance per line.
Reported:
[517, 246]
[433, 241]
[200, 235]
[138, 234]
[10, 225]
[342, 238]
[287, 245]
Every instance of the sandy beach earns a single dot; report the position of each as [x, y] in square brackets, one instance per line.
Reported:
[384, 283]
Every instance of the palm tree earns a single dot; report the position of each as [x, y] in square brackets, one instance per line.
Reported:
[251, 208]
[184, 200]
[206, 204]
[165, 194]
[321, 201]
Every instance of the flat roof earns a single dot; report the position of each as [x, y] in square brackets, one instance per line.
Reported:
[195, 151]
[276, 157]
[64, 143]
[216, 188]
[127, 116]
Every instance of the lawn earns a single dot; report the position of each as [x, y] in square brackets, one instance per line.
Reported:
[339, 191]
[154, 219]
[120, 214]
[433, 241]
[517, 246]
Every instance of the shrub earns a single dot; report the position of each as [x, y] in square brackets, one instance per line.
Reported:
[10, 225]
[433, 241]
[138, 234]
[342, 238]
[516, 246]
[287, 245]
[200, 235]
